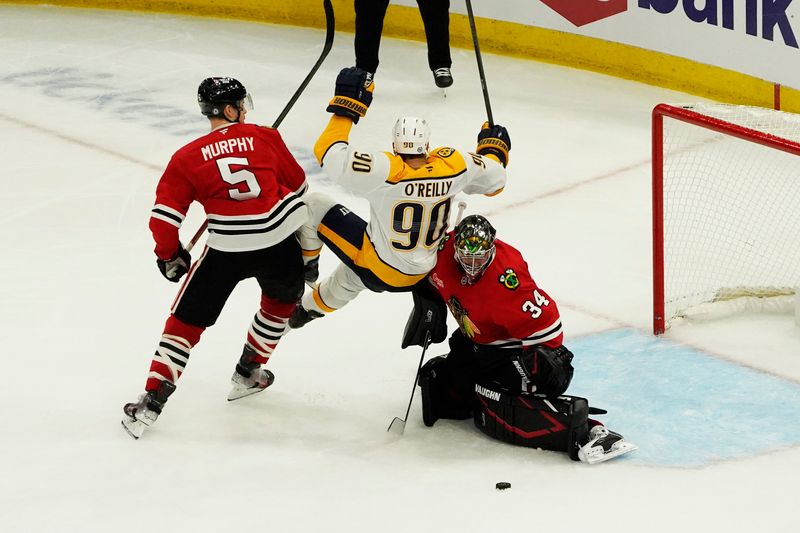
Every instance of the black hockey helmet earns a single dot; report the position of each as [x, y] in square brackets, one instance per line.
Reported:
[215, 93]
[474, 245]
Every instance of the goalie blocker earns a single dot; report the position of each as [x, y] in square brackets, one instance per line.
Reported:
[533, 420]
[428, 315]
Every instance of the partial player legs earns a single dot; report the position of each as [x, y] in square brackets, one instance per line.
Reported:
[436, 19]
[279, 272]
[369, 26]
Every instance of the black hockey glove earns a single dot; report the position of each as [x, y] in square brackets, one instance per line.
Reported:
[494, 141]
[353, 94]
[549, 369]
[174, 268]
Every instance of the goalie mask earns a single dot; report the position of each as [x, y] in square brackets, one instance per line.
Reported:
[215, 93]
[474, 245]
[410, 136]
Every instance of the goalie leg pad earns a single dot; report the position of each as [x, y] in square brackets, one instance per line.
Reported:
[439, 399]
[533, 420]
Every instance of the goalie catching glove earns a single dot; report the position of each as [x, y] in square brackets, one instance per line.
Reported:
[174, 268]
[494, 141]
[353, 94]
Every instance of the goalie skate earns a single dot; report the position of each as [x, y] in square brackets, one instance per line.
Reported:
[603, 445]
[241, 385]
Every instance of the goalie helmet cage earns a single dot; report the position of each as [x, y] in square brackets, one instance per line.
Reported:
[726, 208]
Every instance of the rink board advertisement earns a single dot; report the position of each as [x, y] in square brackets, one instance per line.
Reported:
[755, 37]
[736, 51]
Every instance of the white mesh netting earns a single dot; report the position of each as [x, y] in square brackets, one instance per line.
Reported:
[731, 213]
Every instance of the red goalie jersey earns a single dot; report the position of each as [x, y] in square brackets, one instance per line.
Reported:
[504, 308]
[248, 183]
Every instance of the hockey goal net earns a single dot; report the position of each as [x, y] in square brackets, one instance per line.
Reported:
[726, 210]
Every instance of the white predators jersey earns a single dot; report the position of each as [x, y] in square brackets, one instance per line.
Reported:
[409, 209]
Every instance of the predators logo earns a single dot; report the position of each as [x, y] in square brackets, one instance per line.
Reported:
[444, 152]
[467, 326]
[509, 279]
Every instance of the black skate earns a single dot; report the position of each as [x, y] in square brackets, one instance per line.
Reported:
[302, 316]
[442, 77]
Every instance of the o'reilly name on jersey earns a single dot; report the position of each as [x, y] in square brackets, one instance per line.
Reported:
[428, 190]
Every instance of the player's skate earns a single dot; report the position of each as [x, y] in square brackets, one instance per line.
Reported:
[241, 385]
[143, 413]
[603, 445]
[249, 378]
[302, 316]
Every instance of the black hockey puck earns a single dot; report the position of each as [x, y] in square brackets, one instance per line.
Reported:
[503, 485]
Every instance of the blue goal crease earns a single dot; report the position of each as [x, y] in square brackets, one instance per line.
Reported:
[682, 406]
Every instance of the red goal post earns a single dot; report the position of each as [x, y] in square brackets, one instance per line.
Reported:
[726, 206]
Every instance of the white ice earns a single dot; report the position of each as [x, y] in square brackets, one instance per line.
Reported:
[93, 104]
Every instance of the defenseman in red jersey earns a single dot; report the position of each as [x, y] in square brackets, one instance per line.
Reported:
[250, 187]
[507, 367]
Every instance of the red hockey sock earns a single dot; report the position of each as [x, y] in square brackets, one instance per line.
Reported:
[172, 353]
[268, 326]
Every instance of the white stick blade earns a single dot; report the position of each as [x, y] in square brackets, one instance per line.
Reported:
[397, 426]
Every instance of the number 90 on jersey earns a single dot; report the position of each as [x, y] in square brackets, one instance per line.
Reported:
[413, 220]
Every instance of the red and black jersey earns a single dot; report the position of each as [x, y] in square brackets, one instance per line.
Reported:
[248, 183]
[504, 308]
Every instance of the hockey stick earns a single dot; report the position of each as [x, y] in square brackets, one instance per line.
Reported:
[398, 425]
[330, 26]
[461, 207]
[480, 63]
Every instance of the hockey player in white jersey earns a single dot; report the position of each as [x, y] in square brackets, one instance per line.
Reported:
[410, 191]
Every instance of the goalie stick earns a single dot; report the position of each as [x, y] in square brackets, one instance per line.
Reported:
[461, 207]
[330, 26]
[398, 425]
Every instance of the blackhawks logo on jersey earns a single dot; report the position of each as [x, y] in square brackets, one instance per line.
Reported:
[509, 279]
[467, 326]
[443, 242]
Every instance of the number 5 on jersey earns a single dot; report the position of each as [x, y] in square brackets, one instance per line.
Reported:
[240, 176]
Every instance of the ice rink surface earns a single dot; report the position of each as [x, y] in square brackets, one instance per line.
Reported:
[93, 104]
